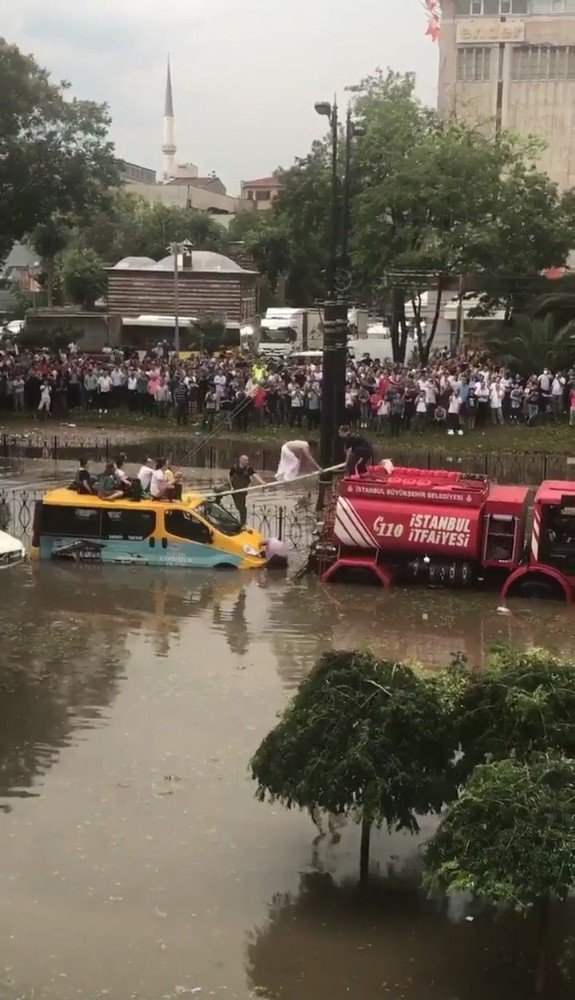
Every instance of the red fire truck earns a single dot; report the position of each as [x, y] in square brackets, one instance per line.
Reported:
[450, 529]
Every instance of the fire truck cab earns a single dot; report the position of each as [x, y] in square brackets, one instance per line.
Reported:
[450, 529]
[548, 569]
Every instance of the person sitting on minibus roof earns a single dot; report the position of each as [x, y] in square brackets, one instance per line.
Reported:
[145, 474]
[107, 484]
[123, 481]
[83, 482]
[160, 487]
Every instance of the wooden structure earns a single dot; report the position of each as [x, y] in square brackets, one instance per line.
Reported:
[208, 284]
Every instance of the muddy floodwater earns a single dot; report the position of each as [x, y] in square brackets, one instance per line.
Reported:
[135, 861]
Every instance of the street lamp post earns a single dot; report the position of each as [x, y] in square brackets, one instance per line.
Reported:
[335, 323]
[353, 130]
[334, 329]
[177, 248]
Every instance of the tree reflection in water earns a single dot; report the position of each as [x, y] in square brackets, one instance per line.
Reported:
[56, 678]
[340, 941]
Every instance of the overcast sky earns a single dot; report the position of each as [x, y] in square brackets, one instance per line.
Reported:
[245, 73]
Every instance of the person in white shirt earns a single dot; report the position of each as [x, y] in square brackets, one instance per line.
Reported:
[496, 394]
[220, 382]
[453, 410]
[420, 421]
[104, 392]
[45, 398]
[545, 380]
[145, 474]
[132, 386]
[295, 456]
[558, 395]
[158, 482]
[430, 397]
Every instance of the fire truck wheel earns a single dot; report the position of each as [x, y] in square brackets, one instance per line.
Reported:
[540, 587]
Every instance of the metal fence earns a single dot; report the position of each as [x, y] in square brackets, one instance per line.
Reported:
[504, 466]
[291, 523]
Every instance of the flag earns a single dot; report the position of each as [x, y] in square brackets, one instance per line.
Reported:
[28, 282]
[433, 11]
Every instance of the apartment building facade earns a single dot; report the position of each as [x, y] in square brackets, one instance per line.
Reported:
[510, 64]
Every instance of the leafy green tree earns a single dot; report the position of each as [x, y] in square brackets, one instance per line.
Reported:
[130, 226]
[438, 199]
[55, 157]
[530, 345]
[362, 737]
[85, 278]
[431, 200]
[50, 239]
[557, 301]
[510, 839]
[523, 702]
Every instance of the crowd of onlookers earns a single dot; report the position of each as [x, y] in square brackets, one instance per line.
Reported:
[456, 394]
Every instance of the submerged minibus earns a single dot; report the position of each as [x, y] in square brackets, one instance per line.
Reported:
[193, 531]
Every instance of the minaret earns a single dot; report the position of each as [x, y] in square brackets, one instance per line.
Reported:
[169, 145]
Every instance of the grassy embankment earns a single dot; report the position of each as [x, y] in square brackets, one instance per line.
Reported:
[550, 438]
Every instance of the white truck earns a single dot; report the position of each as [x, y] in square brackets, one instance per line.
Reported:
[284, 331]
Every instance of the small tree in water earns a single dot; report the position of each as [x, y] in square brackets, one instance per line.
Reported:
[362, 737]
[524, 702]
[510, 839]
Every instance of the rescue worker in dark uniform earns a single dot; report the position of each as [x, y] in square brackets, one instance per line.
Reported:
[240, 477]
[358, 452]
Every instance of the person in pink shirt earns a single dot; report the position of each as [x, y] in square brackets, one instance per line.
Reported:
[572, 409]
[153, 384]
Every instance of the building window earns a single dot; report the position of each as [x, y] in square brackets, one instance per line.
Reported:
[263, 195]
[543, 62]
[473, 64]
[496, 8]
[552, 6]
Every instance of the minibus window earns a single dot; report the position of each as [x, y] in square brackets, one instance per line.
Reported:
[184, 525]
[128, 525]
[75, 522]
[220, 518]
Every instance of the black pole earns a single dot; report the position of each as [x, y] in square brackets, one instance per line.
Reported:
[332, 273]
[346, 192]
[334, 341]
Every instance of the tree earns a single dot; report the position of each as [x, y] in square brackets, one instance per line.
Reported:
[510, 839]
[130, 226]
[55, 156]
[362, 737]
[50, 238]
[85, 278]
[523, 702]
[559, 303]
[437, 199]
[530, 345]
[432, 200]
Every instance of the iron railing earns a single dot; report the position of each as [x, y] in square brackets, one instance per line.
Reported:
[522, 467]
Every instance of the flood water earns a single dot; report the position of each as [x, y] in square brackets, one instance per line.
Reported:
[135, 861]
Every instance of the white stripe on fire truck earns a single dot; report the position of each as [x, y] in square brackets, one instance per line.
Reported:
[346, 529]
[360, 524]
[354, 519]
[535, 535]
